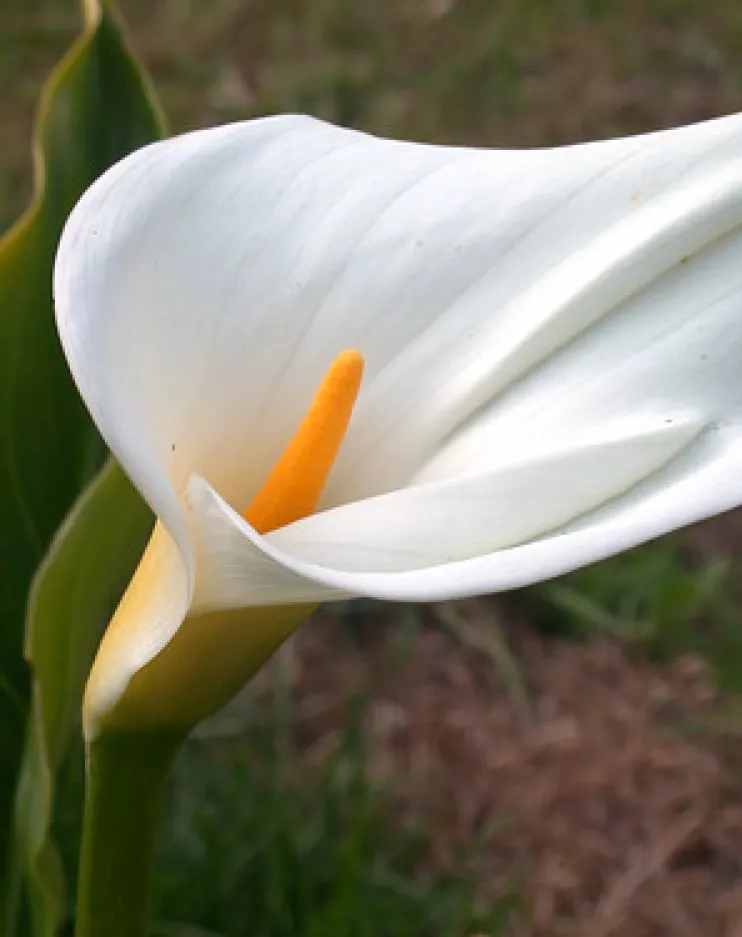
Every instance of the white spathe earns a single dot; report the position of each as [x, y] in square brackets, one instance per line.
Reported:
[553, 342]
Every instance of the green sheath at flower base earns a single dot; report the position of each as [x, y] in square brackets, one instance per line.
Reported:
[127, 768]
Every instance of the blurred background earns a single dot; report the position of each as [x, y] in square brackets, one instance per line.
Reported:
[564, 760]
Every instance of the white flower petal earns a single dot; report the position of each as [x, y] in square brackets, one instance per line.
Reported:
[204, 285]
[675, 346]
[291, 566]
[668, 266]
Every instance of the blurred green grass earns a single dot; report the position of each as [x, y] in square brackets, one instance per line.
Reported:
[305, 859]
[655, 601]
[250, 845]
[504, 72]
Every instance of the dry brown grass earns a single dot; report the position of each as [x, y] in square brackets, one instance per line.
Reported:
[602, 801]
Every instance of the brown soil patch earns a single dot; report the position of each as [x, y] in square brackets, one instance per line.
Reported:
[609, 812]
[719, 536]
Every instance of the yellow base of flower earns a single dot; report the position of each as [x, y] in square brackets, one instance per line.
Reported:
[211, 658]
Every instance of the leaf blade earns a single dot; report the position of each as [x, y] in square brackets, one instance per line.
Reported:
[95, 108]
[75, 591]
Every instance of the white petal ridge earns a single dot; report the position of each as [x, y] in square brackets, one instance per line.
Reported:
[243, 568]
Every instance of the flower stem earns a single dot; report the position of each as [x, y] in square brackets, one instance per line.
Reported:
[125, 785]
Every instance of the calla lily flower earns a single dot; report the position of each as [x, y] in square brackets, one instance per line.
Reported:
[552, 342]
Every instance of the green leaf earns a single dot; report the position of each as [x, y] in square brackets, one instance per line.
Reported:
[95, 108]
[74, 593]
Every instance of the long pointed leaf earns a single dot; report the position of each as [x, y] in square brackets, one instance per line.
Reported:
[74, 593]
[95, 108]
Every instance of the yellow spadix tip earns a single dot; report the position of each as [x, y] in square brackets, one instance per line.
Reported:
[295, 483]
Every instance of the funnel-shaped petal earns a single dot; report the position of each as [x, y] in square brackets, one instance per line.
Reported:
[552, 342]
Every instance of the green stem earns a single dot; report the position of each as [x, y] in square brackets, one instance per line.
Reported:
[125, 785]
